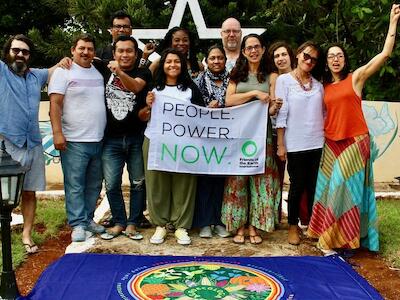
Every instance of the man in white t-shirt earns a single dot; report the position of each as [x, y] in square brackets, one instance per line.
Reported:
[78, 118]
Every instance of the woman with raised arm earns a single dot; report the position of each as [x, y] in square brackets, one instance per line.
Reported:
[248, 82]
[300, 129]
[344, 213]
[182, 40]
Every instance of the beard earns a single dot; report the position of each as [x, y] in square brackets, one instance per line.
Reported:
[17, 64]
[231, 45]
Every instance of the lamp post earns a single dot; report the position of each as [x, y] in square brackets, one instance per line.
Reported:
[11, 181]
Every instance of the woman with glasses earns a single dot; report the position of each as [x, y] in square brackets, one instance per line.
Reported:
[259, 210]
[210, 189]
[344, 213]
[183, 41]
[300, 129]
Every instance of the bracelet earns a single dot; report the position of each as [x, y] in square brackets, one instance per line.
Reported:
[143, 62]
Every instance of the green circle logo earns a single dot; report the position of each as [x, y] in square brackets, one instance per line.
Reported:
[253, 148]
[206, 292]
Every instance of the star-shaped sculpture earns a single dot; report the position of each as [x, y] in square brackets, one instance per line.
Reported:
[177, 15]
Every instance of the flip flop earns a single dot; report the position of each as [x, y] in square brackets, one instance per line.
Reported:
[109, 235]
[135, 235]
[31, 249]
[254, 240]
[239, 239]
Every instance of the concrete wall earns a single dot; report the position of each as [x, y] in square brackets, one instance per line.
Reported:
[382, 118]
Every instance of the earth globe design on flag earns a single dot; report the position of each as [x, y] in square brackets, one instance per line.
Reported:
[204, 280]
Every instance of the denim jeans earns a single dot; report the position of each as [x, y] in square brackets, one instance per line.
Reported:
[117, 152]
[81, 165]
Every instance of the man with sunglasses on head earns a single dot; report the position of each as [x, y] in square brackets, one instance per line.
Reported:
[231, 34]
[121, 24]
[20, 89]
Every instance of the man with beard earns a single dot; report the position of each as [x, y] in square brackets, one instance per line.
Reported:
[20, 88]
[78, 119]
[231, 34]
[126, 90]
[121, 24]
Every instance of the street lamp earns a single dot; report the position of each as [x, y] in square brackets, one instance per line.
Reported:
[11, 181]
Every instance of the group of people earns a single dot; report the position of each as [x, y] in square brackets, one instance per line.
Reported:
[100, 105]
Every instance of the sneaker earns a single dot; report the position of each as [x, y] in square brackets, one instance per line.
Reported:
[205, 232]
[221, 231]
[182, 236]
[95, 228]
[158, 236]
[326, 252]
[78, 234]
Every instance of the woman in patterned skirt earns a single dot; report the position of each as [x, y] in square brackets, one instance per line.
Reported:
[344, 213]
[252, 200]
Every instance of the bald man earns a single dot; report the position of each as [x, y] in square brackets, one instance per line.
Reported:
[231, 34]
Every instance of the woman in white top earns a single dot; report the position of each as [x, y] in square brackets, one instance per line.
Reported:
[300, 129]
[170, 195]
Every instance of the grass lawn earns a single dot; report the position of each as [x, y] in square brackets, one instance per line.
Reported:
[389, 230]
[51, 215]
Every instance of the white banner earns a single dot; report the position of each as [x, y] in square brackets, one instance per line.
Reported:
[187, 138]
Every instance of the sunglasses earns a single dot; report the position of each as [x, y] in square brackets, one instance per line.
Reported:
[25, 52]
[307, 56]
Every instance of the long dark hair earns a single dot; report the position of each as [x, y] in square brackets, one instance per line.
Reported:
[183, 81]
[192, 55]
[240, 72]
[289, 50]
[327, 76]
[18, 37]
[319, 66]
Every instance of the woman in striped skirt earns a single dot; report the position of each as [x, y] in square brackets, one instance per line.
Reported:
[344, 212]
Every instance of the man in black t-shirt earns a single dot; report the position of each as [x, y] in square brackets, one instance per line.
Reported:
[126, 89]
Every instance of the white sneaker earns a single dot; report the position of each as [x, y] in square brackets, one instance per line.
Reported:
[182, 236]
[159, 235]
[221, 231]
[205, 232]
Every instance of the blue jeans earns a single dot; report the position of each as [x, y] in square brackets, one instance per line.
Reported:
[117, 152]
[81, 165]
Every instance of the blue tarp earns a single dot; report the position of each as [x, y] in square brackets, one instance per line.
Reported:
[110, 276]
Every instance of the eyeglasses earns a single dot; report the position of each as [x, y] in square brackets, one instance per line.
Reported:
[251, 48]
[233, 31]
[339, 56]
[119, 27]
[307, 56]
[25, 52]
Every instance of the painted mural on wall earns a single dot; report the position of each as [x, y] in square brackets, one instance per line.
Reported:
[382, 124]
[50, 153]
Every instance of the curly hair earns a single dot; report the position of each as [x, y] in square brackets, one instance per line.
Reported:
[18, 37]
[183, 80]
[192, 54]
[240, 73]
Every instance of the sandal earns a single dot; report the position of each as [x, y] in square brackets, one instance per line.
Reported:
[110, 234]
[31, 249]
[239, 238]
[255, 239]
[133, 235]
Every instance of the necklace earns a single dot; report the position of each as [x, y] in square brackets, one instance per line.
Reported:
[307, 89]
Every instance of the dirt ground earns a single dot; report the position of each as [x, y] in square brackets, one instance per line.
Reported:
[370, 266]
